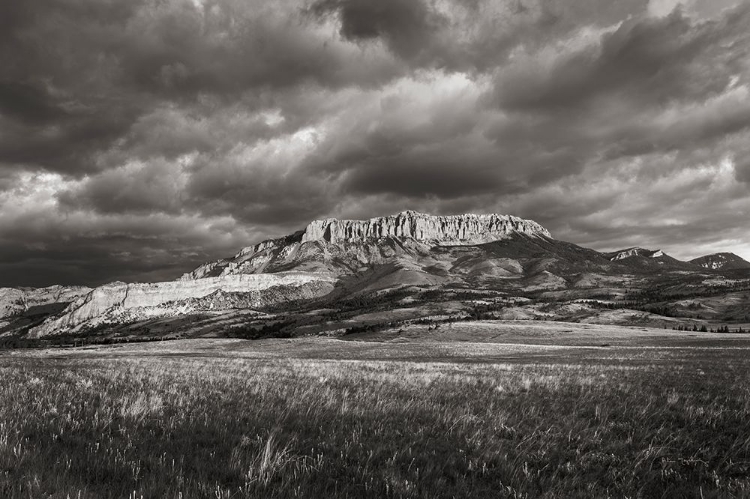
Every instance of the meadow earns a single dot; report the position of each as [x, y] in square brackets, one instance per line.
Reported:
[658, 416]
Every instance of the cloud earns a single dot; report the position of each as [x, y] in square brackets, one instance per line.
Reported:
[702, 9]
[407, 28]
[651, 61]
[465, 36]
[81, 78]
[46, 242]
[29, 103]
[140, 138]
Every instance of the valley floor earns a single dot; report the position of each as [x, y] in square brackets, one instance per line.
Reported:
[473, 409]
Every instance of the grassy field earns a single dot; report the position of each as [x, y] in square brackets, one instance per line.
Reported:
[575, 411]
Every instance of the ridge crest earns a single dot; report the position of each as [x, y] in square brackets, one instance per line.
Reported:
[468, 228]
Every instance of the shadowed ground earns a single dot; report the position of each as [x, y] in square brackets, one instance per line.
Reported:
[476, 409]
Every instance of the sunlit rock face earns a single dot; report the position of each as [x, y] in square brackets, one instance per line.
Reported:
[15, 301]
[119, 296]
[444, 230]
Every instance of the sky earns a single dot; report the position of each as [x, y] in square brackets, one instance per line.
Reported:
[141, 138]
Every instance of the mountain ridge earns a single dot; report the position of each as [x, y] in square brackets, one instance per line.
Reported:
[448, 229]
[331, 260]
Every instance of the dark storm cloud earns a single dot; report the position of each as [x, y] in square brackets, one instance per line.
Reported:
[261, 185]
[424, 177]
[406, 27]
[226, 47]
[643, 66]
[466, 36]
[131, 189]
[69, 145]
[553, 112]
[57, 106]
[28, 103]
[85, 248]
[81, 74]
[653, 60]
[743, 168]
[140, 138]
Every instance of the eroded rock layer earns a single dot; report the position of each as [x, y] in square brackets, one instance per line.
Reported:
[445, 230]
[15, 301]
[118, 296]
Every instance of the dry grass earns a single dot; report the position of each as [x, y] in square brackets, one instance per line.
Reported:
[647, 423]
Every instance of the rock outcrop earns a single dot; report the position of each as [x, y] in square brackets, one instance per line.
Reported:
[113, 298]
[443, 230]
[16, 301]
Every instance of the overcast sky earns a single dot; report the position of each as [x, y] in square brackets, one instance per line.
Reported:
[141, 138]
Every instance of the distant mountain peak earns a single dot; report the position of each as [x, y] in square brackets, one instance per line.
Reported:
[724, 260]
[451, 229]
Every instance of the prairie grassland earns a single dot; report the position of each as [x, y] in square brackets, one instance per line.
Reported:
[240, 419]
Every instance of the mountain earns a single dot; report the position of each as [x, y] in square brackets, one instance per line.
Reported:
[343, 246]
[380, 252]
[334, 275]
[634, 252]
[645, 259]
[723, 261]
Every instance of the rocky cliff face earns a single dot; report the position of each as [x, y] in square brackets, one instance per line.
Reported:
[257, 256]
[341, 246]
[16, 301]
[443, 230]
[112, 299]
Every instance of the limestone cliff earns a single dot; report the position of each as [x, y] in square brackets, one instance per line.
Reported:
[15, 301]
[443, 230]
[119, 296]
